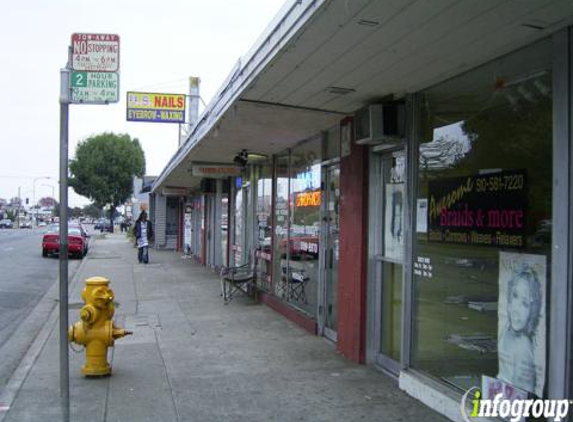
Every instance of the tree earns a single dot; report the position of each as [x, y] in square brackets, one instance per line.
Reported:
[92, 211]
[57, 210]
[47, 202]
[104, 168]
[77, 212]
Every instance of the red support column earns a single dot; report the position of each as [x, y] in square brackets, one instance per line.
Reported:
[353, 253]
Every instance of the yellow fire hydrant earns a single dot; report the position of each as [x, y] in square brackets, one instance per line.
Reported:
[96, 330]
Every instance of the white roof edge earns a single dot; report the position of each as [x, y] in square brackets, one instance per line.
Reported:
[288, 20]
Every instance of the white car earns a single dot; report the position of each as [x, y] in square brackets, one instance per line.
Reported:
[6, 224]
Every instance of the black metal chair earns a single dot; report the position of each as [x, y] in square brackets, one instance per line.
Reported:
[294, 287]
[239, 279]
[298, 281]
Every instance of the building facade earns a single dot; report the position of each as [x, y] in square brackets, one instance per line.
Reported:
[413, 163]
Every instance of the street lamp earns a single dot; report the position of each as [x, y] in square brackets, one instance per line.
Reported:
[53, 189]
[34, 197]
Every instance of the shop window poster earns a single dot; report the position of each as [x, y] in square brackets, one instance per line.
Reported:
[480, 210]
[394, 224]
[492, 387]
[521, 321]
[422, 216]
[187, 232]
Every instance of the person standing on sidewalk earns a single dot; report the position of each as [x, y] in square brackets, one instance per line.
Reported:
[143, 234]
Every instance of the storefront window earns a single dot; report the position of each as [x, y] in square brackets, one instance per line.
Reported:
[171, 218]
[482, 240]
[224, 228]
[304, 232]
[198, 226]
[264, 226]
[281, 226]
[238, 234]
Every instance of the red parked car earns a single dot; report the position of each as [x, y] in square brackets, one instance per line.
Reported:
[78, 240]
[301, 246]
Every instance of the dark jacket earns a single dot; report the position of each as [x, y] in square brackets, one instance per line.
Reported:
[137, 230]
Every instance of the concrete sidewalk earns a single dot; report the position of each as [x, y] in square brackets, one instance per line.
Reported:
[193, 359]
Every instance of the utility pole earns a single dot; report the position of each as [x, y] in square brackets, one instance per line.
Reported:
[19, 204]
[192, 109]
[63, 252]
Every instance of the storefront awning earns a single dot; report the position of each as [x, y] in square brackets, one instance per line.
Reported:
[320, 60]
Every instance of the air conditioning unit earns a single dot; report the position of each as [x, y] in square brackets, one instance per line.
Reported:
[381, 124]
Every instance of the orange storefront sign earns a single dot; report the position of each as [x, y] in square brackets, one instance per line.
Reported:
[308, 199]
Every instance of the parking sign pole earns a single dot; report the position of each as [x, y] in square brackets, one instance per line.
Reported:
[90, 77]
[63, 250]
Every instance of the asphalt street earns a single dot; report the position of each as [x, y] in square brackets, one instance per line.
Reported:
[25, 277]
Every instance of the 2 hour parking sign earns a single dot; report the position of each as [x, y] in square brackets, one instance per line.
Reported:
[95, 87]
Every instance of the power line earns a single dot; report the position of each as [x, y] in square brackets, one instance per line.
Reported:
[19, 177]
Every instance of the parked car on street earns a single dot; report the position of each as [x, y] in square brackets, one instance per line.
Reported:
[301, 246]
[78, 241]
[103, 225]
[25, 224]
[6, 224]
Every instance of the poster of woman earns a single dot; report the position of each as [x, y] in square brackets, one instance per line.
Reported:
[521, 320]
[393, 227]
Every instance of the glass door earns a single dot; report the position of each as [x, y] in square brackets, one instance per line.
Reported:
[224, 229]
[331, 217]
[238, 219]
[210, 210]
[389, 260]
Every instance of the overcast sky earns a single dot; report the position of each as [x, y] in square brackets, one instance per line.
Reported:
[161, 45]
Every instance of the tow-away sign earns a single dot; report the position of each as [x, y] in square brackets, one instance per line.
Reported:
[95, 52]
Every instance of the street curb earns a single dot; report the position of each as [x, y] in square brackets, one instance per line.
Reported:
[20, 374]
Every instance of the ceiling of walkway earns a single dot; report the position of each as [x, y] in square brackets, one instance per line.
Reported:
[354, 52]
[350, 53]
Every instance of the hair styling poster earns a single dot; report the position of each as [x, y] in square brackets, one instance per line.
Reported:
[393, 228]
[521, 320]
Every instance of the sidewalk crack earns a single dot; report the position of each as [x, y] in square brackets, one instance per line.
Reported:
[167, 376]
[108, 388]
[135, 293]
